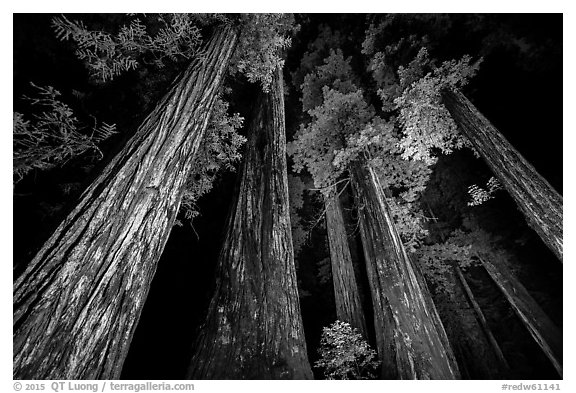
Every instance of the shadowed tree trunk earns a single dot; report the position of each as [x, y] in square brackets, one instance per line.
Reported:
[77, 304]
[542, 329]
[348, 304]
[476, 356]
[411, 342]
[481, 319]
[540, 203]
[254, 328]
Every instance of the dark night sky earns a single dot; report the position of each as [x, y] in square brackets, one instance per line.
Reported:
[519, 91]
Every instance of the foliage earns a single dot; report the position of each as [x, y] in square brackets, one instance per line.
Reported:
[437, 262]
[345, 129]
[461, 248]
[108, 55]
[263, 39]
[53, 136]
[426, 123]
[315, 145]
[335, 72]
[480, 195]
[409, 82]
[318, 50]
[344, 354]
[376, 139]
[409, 222]
[389, 44]
[337, 109]
[218, 151]
[176, 37]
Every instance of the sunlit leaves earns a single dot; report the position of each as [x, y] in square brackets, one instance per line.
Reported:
[376, 139]
[479, 195]
[52, 136]
[335, 72]
[263, 38]
[318, 50]
[316, 144]
[426, 124]
[108, 55]
[219, 151]
[462, 249]
[344, 354]
[409, 222]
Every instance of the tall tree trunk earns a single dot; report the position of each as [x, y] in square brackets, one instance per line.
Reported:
[348, 303]
[542, 329]
[254, 327]
[411, 345]
[476, 357]
[427, 295]
[77, 304]
[540, 203]
[481, 319]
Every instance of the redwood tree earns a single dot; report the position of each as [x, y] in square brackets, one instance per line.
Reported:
[545, 332]
[348, 303]
[537, 199]
[411, 343]
[254, 329]
[344, 135]
[78, 302]
[436, 116]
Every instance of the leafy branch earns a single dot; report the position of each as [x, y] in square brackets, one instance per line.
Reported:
[344, 354]
[53, 136]
[108, 55]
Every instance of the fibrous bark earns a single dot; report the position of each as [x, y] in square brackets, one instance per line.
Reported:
[254, 328]
[546, 334]
[77, 303]
[348, 303]
[540, 203]
[411, 343]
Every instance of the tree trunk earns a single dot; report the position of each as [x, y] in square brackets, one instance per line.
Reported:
[427, 295]
[411, 345]
[542, 329]
[476, 357]
[348, 303]
[77, 304]
[254, 328]
[481, 319]
[540, 203]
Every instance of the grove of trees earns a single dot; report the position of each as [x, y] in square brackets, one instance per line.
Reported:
[278, 196]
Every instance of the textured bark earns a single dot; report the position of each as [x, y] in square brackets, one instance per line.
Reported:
[77, 304]
[348, 303]
[427, 295]
[254, 328]
[481, 319]
[542, 329]
[540, 203]
[411, 342]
